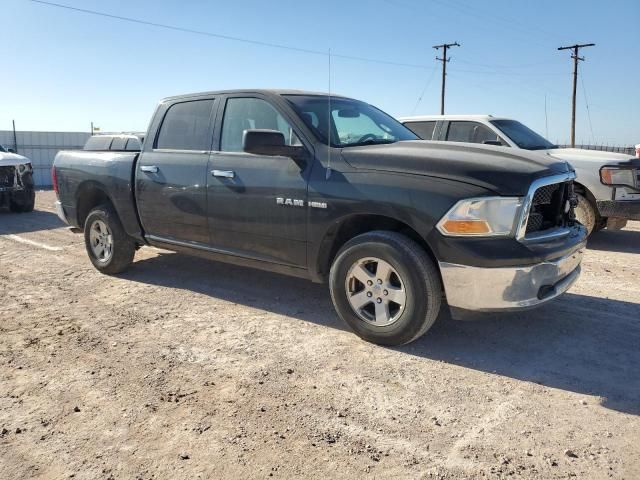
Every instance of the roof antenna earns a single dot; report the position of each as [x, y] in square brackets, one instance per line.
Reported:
[328, 171]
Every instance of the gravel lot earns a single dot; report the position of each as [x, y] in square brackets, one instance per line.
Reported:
[183, 368]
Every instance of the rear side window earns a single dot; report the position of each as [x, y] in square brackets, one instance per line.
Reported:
[186, 126]
[118, 143]
[98, 142]
[133, 145]
[470, 132]
[422, 129]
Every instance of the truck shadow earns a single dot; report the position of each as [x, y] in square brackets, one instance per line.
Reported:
[14, 223]
[623, 241]
[578, 343]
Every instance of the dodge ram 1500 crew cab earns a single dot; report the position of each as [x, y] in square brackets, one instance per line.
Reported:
[333, 189]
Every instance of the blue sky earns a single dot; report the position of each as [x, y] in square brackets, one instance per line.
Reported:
[64, 69]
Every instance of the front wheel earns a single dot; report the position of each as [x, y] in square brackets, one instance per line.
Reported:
[386, 288]
[586, 213]
[109, 247]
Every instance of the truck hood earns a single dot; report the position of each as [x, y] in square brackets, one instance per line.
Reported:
[503, 171]
[10, 159]
[579, 155]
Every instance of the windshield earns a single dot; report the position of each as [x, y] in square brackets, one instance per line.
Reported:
[2, 149]
[522, 135]
[352, 122]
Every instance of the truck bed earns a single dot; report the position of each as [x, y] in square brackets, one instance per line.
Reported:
[80, 171]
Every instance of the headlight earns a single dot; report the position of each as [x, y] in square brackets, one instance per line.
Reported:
[481, 217]
[25, 167]
[623, 176]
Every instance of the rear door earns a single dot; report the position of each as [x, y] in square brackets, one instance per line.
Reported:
[257, 204]
[171, 176]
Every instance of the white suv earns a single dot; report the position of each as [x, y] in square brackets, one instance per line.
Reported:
[607, 184]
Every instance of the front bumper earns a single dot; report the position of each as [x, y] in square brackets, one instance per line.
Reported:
[627, 209]
[482, 289]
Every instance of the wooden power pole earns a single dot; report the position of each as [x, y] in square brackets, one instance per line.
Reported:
[576, 58]
[444, 60]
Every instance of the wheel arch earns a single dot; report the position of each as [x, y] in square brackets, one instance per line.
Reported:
[90, 194]
[585, 192]
[353, 225]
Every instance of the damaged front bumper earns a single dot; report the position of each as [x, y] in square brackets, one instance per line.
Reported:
[15, 179]
[478, 289]
[10, 179]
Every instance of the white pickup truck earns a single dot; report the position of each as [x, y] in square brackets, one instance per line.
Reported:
[607, 184]
[17, 190]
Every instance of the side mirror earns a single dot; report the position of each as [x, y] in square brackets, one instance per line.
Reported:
[271, 143]
[497, 143]
[11, 150]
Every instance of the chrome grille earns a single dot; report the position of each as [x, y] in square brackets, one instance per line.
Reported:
[7, 176]
[548, 207]
[544, 195]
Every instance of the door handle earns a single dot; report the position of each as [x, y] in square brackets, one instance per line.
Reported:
[149, 169]
[223, 173]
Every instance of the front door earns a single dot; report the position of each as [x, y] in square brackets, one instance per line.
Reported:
[171, 176]
[257, 204]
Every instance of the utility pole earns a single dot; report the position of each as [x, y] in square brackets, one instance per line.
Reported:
[444, 60]
[576, 58]
[15, 138]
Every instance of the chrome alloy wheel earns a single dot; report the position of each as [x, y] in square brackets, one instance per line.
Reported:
[375, 291]
[101, 240]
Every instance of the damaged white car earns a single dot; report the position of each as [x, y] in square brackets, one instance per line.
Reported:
[17, 190]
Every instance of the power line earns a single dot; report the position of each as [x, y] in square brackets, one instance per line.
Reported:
[229, 37]
[444, 47]
[525, 74]
[576, 58]
[509, 21]
[586, 102]
[426, 85]
[508, 67]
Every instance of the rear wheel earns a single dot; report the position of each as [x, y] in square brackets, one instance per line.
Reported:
[386, 288]
[110, 249]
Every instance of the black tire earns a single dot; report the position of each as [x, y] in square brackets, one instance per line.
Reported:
[123, 247]
[23, 201]
[587, 214]
[416, 272]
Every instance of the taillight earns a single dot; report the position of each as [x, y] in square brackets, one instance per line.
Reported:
[54, 179]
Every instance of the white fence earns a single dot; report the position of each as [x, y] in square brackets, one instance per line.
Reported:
[41, 148]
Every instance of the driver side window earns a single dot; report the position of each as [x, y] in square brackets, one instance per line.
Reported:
[352, 129]
[243, 114]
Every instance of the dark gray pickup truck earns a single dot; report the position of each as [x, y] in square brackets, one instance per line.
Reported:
[333, 189]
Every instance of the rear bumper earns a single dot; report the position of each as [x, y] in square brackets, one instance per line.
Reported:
[481, 289]
[60, 212]
[627, 209]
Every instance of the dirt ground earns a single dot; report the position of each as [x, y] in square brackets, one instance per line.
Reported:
[183, 368]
